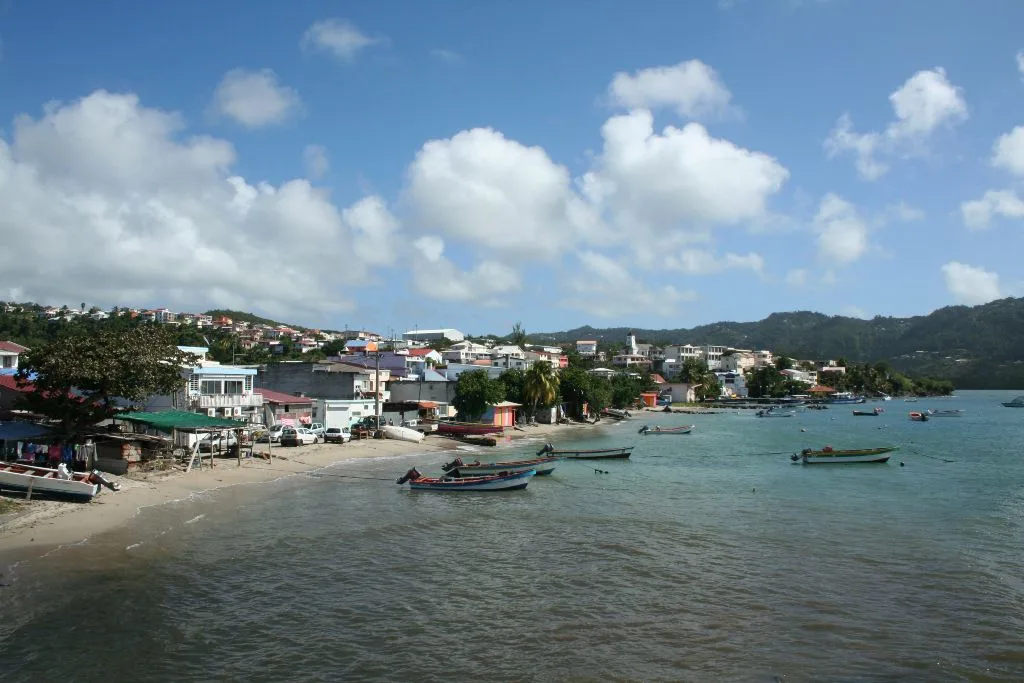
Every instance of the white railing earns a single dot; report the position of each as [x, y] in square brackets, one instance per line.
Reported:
[229, 400]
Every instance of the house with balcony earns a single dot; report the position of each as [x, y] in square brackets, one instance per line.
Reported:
[466, 352]
[9, 354]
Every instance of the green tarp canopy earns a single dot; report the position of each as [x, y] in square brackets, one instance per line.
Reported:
[180, 419]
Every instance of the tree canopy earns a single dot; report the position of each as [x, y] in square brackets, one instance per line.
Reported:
[474, 391]
[78, 377]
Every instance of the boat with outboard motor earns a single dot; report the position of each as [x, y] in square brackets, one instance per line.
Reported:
[952, 412]
[494, 482]
[53, 483]
[868, 413]
[829, 456]
[773, 412]
[918, 417]
[588, 454]
[658, 430]
[458, 468]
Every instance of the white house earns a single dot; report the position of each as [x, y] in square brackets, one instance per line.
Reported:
[9, 354]
[586, 347]
[466, 352]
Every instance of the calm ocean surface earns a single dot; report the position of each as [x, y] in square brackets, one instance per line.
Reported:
[703, 558]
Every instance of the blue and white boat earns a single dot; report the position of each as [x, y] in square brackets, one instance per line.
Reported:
[845, 398]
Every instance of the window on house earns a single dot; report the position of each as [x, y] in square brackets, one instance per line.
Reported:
[8, 361]
[248, 383]
[234, 387]
[193, 383]
[211, 387]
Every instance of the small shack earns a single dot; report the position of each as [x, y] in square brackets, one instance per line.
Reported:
[189, 430]
[501, 414]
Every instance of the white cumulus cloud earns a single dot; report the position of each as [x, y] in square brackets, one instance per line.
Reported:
[978, 213]
[682, 180]
[1008, 151]
[255, 98]
[924, 103]
[604, 287]
[315, 159]
[124, 209]
[704, 262]
[1020, 62]
[970, 285]
[339, 38]
[691, 88]
[842, 233]
[488, 283]
[480, 188]
[373, 228]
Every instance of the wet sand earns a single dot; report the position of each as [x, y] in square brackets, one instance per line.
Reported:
[42, 525]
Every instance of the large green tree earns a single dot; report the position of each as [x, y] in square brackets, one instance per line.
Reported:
[474, 391]
[78, 378]
[540, 385]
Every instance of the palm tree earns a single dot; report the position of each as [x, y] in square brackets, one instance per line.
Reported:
[540, 386]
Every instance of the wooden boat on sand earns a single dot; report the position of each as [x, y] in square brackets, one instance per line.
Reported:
[53, 483]
[467, 428]
[494, 482]
[458, 468]
[665, 431]
[828, 456]
[592, 454]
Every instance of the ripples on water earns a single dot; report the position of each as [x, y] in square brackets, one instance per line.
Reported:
[705, 557]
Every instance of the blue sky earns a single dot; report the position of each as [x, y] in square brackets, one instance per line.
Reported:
[396, 164]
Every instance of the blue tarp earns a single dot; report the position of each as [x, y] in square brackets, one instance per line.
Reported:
[22, 431]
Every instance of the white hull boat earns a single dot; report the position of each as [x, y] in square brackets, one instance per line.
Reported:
[403, 434]
[46, 482]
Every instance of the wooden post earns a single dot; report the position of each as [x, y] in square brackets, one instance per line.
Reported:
[31, 483]
[238, 445]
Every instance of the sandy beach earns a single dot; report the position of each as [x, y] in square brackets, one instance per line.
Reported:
[41, 525]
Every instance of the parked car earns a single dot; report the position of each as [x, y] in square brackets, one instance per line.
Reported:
[298, 436]
[423, 426]
[217, 441]
[273, 435]
[338, 435]
[317, 429]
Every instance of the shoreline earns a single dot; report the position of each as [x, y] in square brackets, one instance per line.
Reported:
[45, 526]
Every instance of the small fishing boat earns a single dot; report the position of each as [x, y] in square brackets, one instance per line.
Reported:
[868, 413]
[53, 483]
[467, 428]
[458, 468]
[828, 456]
[910, 400]
[493, 482]
[772, 412]
[665, 431]
[945, 413]
[918, 417]
[845, 397]
[402, 433]
[1015, 403]
[592, 454]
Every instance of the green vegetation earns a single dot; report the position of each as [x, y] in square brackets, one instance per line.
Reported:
[977, 347]
[880, 378]
[695, 372]
[474, 391]
[78, 377]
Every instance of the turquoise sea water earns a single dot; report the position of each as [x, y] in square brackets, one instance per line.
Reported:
[703, 557]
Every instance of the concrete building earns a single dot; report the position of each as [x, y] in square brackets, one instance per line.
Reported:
[434, 335]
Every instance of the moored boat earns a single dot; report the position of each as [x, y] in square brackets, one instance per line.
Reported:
[402, 433]
[945, 413]
[467, 428]
[591, 454]
[494, 482]
[53, 483]
[458, 468]
[772, 412]
[868, 413]
[918, 417]
[845, 397]
[1015, 403]
[665, 431]
[829, 456]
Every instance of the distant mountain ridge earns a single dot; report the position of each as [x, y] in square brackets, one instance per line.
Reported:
[977, 347]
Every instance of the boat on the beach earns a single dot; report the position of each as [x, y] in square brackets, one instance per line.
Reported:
[458, 468]
[591, 454]
[1015, 403]
[868, 413]
[772, 412]
[956, 412]
[402, 433]
[918, 417]
[615, 413]
[658, 430]
[493, 482]
[829, 456]
[52, 483]
[467, 428]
